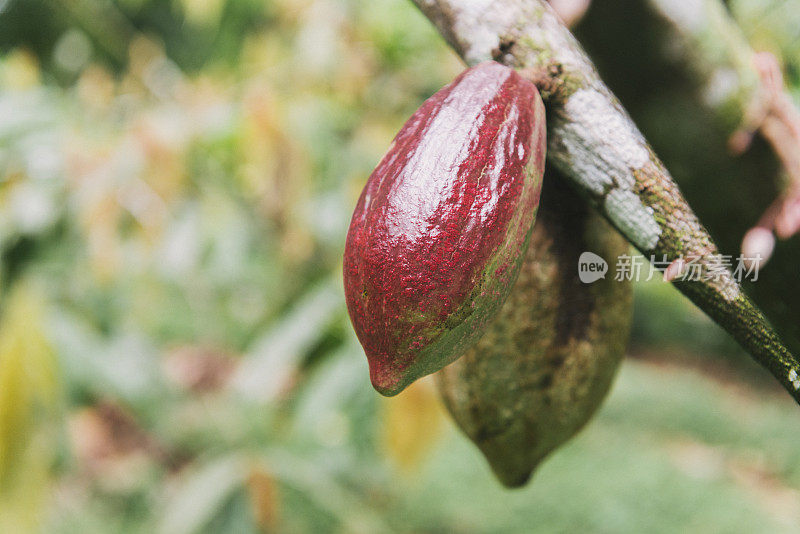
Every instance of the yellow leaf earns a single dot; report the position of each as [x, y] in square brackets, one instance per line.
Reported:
[29, 396]
[412, 424]
[20, 70]
[264, 500]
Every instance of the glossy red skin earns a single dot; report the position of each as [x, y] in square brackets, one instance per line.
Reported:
[439, 231]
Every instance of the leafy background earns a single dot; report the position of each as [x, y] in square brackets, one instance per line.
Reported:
[176, 180]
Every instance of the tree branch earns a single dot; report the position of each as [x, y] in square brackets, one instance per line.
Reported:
[593, 141]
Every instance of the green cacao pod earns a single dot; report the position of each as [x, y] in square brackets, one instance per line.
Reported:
[546, 363]
[440, 230]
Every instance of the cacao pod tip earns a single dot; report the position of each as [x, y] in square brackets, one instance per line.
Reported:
[512, 479]
[385, 382]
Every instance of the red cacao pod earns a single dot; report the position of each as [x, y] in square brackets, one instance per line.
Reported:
[543, 367]
[439, 231]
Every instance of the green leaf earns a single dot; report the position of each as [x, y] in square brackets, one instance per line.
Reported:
[201, 495]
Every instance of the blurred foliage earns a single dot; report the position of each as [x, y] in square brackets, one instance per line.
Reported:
[773, 25]
[176, 182]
